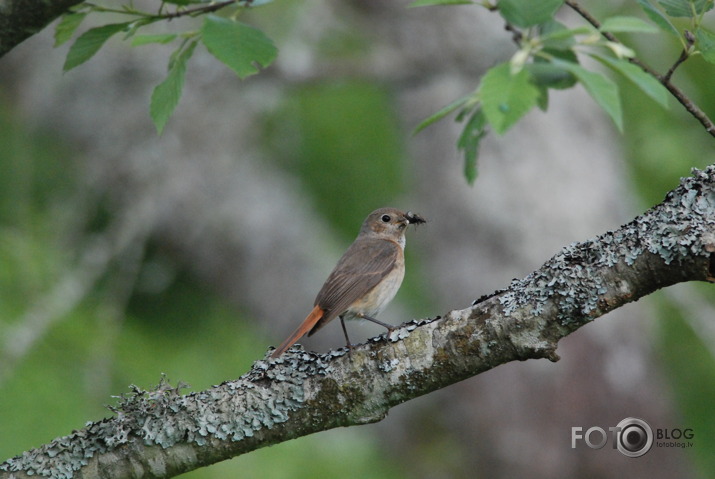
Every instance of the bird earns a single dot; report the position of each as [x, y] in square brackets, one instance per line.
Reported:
[365, 279]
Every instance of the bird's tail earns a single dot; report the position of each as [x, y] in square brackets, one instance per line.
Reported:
[304, 327]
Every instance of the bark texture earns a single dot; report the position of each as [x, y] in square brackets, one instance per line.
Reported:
[20, 19]
[162, 433]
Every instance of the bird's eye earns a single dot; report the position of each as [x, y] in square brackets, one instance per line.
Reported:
[385, 218]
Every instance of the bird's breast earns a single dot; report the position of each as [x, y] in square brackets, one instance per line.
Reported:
[375, 300]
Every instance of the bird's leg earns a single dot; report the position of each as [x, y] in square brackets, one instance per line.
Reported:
[345, 332]
[390, 328]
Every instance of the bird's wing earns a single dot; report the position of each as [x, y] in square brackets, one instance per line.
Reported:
[361, 268]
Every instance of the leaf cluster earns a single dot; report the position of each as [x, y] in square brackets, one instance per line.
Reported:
[242, 47]
[548, 57]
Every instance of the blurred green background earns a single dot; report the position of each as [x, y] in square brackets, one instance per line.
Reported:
[122, 331]
[141, 315]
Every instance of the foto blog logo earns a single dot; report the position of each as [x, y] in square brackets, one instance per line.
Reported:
[632, 437]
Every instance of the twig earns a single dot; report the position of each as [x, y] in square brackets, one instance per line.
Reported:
[684, 100]
[185, 12]
[684, 55]
[516, 33]
[198, 10]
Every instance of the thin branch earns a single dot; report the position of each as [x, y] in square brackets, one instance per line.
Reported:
[516, 34]
[20, 19]
[684, 100]
[684, 55]
[178, 13]
[161, 433]
[214, 7]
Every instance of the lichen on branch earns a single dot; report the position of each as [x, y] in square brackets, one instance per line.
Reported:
[162, 433]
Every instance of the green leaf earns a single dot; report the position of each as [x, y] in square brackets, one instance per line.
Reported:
[136, 25]
[553, 34]
[543, 101]
[601, 89]
[434, 118]
[158, 38]
[620, 50]
[527, 13]
[627, 24]
[644, 81]
[506, 97]
[89, 43]
[241, 47]
[429, 3]
[67, 26]
[658, 18]
[686, 8]
[706, 44]
[548, 75]
[469, 140]
[166, 95]
[702, 6]
[676, 8]
[556, 36]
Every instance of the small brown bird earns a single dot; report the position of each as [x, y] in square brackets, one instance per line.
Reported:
[365, 279]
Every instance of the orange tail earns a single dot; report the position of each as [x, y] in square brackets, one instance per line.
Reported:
[304, 327]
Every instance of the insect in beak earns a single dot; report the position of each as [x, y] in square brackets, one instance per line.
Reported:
[414, 219]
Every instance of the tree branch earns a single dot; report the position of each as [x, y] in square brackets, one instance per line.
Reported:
[684, 100]
[162, 433]
[20, 19]
[684, 55]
